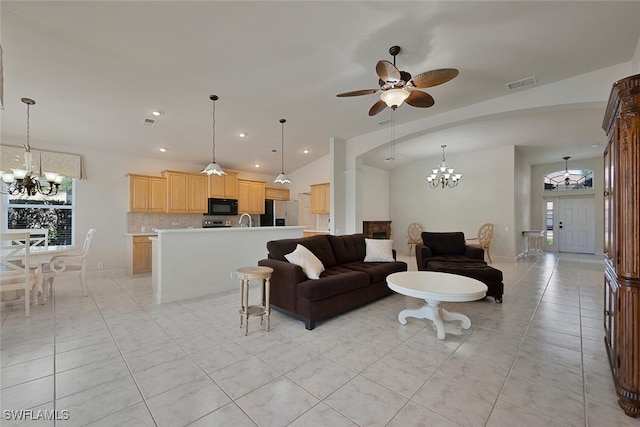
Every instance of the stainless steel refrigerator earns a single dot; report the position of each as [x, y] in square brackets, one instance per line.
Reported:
[279, 213]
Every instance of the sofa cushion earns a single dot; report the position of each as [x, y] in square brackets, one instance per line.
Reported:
[378, 250]
[318, 245]
[454, 258]
[378, 271]
[449, 243]
[309, 263]
[332, 283]
[347, 248]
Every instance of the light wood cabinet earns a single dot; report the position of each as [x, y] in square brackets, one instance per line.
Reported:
[276, 194]
[186, 193]
[321, 198]
[139, 255]
[313, 233]
[224, 186]
[622, 241]
[251, 196]
[147, 193]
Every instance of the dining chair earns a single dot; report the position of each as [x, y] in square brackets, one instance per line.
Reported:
[15, 272]
[414, 232]
[69, 265]
[37, 236]
[483, 239]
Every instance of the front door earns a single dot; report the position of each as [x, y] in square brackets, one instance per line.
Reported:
[576, 225]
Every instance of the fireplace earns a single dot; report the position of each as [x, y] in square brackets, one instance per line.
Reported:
[376, 229]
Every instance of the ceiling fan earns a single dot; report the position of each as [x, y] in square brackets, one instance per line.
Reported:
[398, 86]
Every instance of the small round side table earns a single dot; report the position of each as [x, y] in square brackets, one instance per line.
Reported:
[245, 274]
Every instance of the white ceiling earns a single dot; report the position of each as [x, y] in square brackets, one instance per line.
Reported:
[96, 68]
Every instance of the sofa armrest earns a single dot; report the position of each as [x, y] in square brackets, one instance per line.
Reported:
[284, 283]
[474, 252]
[422, 254]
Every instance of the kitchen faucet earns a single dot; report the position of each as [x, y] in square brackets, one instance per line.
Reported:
[242, 216]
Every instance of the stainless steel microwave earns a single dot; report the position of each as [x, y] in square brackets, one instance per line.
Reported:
[223, 207]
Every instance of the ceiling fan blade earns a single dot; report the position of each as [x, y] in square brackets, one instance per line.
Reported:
[434, 77]
[420, 99]
[357, 92]
[387, 71]
[377, 107]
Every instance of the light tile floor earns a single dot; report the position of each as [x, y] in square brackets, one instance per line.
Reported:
[117, 359]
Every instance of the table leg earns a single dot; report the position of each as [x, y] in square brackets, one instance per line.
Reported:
[432, 311]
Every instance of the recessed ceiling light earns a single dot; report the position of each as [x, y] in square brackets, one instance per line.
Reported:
[595, 146]
[156, 112]
[305, 151]
[257, 165]
[242, 134]
[163, 150]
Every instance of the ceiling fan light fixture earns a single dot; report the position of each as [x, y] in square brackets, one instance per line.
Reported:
[394, 97]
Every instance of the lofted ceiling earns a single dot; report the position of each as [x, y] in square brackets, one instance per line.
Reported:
[97, 68]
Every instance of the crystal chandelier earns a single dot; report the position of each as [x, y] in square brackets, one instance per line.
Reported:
[213, 168]
[443, 176]
[282, 178]
[23, 181]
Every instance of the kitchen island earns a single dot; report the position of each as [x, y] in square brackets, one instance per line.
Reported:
[194, 262]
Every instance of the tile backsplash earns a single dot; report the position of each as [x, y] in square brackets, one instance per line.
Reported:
[137, 222]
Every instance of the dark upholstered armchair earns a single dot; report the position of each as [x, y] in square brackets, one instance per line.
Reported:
[448, 247]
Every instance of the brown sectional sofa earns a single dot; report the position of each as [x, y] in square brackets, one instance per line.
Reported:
[346, 283]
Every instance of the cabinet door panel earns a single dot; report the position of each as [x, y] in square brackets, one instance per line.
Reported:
[177, 193]
[138, 194]
[198, 193]
[157, 195]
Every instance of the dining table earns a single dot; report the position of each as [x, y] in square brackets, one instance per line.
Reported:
[38, 255]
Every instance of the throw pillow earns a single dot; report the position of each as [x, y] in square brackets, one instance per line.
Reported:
[309, 263]
[379, 250]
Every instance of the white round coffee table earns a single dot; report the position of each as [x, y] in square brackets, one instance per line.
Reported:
[436, 287]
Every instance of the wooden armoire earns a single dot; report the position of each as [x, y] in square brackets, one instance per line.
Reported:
[622, 240]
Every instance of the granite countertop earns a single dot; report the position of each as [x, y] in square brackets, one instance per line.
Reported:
[141, 234]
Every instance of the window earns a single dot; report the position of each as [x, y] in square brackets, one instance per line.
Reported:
[571, 179]
[549, 222]
[52, 212]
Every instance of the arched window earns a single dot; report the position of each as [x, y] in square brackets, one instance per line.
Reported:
[569, 179]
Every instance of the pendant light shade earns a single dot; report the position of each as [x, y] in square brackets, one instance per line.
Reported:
[282, 178]
[213, 168]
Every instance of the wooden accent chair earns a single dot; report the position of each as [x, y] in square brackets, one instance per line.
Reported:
[483, 240]
[414, 237]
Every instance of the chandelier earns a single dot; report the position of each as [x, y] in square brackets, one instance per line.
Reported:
[213, 168]
[282, 178]
[23, 181]
[443, 176]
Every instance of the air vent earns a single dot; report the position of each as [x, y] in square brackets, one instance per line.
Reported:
[522, 83]
[148, 122]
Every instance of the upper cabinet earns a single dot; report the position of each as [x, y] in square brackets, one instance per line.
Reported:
[225, 186]
[276, 194]
[186, 193]
[321, 198]
[147, 193]
[251, 195]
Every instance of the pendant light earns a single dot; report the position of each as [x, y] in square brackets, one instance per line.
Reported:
[213, 168]
[282, 178]
[567, 180]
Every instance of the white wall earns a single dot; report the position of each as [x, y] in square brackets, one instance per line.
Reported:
[635, 61]
[485, 194]
[374, 195]
[316, 172]
[522, 198]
